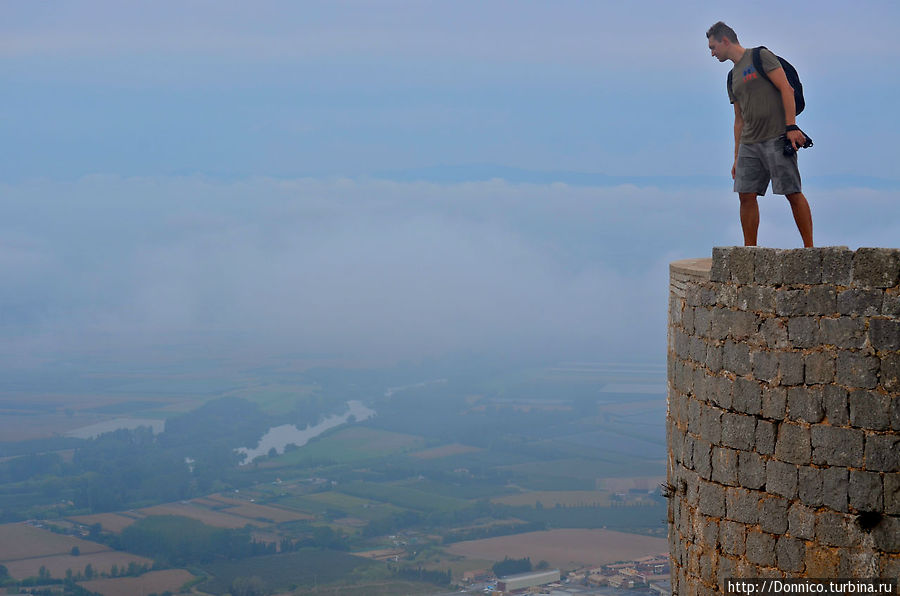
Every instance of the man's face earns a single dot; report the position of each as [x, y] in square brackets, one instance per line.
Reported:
[719, 49]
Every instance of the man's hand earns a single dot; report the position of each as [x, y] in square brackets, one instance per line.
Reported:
[733, 168]
[797, 138]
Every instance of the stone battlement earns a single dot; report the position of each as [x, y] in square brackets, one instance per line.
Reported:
[783, 415]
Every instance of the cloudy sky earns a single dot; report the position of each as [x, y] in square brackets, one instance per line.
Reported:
[399, 177]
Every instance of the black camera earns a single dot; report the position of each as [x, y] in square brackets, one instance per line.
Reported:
[789, 147]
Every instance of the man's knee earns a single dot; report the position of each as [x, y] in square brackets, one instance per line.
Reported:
[747, 197]
[796, 197]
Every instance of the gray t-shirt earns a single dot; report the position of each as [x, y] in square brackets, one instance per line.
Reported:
[760, 101]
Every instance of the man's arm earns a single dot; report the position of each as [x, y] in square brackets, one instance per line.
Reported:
[738, 128]
[779, 79]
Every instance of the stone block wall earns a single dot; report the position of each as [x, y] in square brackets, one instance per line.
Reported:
[783, 416]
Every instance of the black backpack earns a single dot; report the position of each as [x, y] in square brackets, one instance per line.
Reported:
[789, 71]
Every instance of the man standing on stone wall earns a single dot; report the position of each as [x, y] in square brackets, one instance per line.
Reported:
[764, 113]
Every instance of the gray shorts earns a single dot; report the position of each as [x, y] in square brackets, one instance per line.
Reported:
[757, 163]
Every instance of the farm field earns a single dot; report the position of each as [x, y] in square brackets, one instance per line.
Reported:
[445, 451]
[352, 444]
[21, 541]
[101, 562]
[207, 516]
[319, 503]
[110, 522]
[565, 549]
[153, 582]
[550, 498]
[309, 567]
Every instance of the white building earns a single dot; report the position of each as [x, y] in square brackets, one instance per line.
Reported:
[521, 581]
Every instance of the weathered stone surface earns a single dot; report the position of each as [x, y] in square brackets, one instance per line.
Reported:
[837, 265]
[793, 444]
[711, 424]
[892, 494]
[756, 298]
[870, 409]
[834, 446]
[891, 305]
[747, 396]
[714, 357]
[741, 505]
[781, 479]
[725, 466]
[801, 522]
[733, 537]
[883, 453]
[886, 535]
[765, 437]
[834, 529]
[751, 470]
[712, 500]
[866, 491]
[843, 332]
[773, 515]
[721, 267]
[726, 296]
[701, 458]
[801, 266]
[856, 301]
[857, 370]
[803, 332]
[784, 417]
[760, 549]
[767, 266]
[810, 486]
[790, 368]
[835, 487]
[876, 267]
[738, 431]
[821, 300]
[790, 303]
[836, 405]
[818, 368]
[741, 264]
[821, 561]
[790, 554]
[806, 404]
[702, 321]
[774, 402]
[890, 373]
[720, 389]
[884, 334]
[774, 333]
[764, 365]
[736, 358]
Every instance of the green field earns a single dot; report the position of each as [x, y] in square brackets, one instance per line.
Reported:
[351, 506]
[284, 571]
[347, 445]
[403, 496]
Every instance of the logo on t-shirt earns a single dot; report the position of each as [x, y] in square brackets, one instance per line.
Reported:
[750, 74]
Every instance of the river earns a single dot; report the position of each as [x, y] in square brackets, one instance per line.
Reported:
[278, 437]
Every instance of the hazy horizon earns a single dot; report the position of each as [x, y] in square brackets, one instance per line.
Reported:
[400, 180]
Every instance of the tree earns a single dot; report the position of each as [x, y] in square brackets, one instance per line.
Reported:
[249, 586]
[75, 551]
[89, 571]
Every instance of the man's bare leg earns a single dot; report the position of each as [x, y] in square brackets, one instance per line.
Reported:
[802, 217]
[749, 217]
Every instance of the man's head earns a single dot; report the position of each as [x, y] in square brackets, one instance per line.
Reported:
[722, 39]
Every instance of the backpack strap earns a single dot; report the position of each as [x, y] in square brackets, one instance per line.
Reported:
[757, 63]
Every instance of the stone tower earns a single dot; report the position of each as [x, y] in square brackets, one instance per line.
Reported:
[783, 417]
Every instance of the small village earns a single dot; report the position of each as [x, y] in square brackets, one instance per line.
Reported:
[647, 575]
